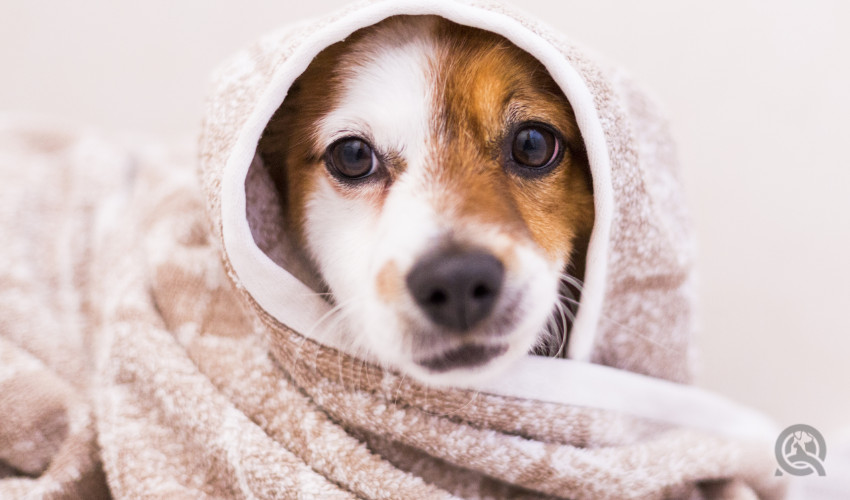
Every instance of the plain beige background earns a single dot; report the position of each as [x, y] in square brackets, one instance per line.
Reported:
[758, 94]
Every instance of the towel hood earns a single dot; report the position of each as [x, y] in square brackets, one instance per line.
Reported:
[631, 344]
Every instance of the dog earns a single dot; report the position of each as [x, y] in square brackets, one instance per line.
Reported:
[435, 180]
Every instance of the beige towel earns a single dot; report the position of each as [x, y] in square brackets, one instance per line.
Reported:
[153, 344]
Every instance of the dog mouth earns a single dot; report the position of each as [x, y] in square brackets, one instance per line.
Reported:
[439, 351]
[467, 356]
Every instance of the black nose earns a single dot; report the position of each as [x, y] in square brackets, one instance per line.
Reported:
[456, 288]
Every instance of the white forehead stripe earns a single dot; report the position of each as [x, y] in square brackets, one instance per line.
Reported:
[388, 94]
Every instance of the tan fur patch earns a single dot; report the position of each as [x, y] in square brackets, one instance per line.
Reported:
[389, 282]
[484, 86]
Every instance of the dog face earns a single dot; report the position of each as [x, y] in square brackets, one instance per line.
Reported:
[436, 180]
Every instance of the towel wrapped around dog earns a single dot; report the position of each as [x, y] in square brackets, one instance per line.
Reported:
[154, 344]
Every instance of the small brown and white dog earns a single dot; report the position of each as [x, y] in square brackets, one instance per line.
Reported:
[435, 179]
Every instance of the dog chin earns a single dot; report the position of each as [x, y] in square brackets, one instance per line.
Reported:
[469, 363]
[460, 363]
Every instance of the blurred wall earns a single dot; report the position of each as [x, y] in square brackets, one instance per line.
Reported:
[758, 94]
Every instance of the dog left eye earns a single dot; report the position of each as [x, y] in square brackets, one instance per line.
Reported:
[535, 146]
[352, 158]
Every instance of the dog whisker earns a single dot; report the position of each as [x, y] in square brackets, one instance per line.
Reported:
[572, 280]
[394, 399]
[335, 316]
[563, 334]
[335, 310]
[556, 331]
[472, 398]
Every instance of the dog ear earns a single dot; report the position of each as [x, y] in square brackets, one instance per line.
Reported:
[275, 141]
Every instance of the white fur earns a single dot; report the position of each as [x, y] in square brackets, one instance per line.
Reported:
[388, 95]
[388, 98]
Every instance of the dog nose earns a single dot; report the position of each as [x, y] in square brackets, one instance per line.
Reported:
[456, 288]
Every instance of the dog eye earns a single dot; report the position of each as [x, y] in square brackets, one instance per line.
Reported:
[535, 146]
[352, 158]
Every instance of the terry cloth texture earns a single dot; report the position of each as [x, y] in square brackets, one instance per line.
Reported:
[153, 346]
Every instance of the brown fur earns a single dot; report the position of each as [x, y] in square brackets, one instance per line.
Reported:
[487, 79]
[486, 86]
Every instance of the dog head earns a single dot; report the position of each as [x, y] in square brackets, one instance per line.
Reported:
[435, 178]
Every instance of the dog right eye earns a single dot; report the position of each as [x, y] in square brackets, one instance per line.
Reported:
[352, 158]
